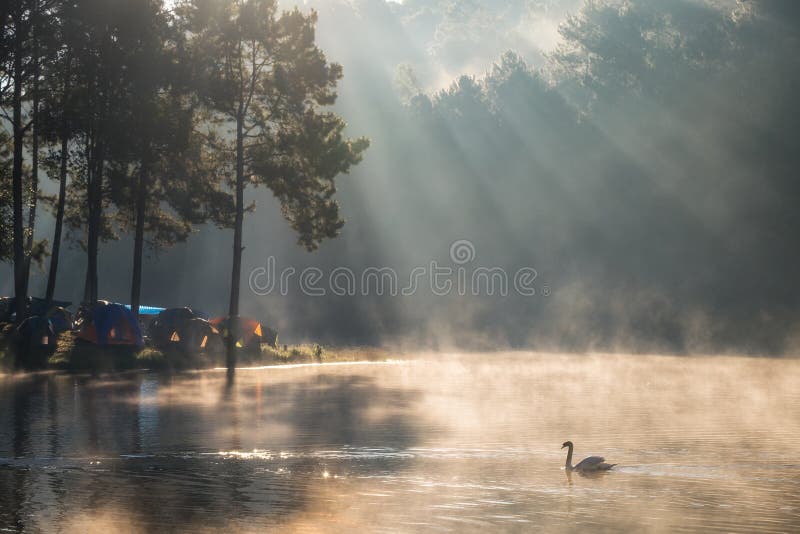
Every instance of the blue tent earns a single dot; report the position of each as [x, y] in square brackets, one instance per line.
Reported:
[147, 310]
[111, 324]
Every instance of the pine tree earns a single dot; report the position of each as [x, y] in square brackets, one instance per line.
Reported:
[264, 82]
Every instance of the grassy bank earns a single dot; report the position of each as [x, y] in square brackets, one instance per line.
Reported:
[293, 354]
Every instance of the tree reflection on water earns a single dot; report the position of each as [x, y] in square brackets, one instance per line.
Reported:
[157, 451]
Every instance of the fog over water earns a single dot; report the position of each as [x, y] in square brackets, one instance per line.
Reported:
[642, 159]
[442, 443]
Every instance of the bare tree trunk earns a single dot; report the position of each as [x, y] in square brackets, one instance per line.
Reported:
[94, 201]
[62, 187]
[95, 209]
[102, 89]
[87, 288]
[34, 165]
[62, 193]
[138, 241]
[21, 297]
[233, 314]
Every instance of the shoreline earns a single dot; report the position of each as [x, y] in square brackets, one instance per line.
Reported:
[74, 356]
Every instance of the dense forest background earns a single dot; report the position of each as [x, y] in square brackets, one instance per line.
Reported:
[641, 155]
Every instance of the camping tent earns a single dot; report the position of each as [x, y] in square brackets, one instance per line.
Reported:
[147, 310]
[37, 332]
[185, 329]
[60, 319]
[109, 324]
[251, 332]
[36, 306]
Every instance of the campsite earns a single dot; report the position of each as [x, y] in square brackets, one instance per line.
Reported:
[108, 337]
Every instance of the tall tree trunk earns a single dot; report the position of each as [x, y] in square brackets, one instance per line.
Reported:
[100, 133]
[95, 218]
[94, 201]
[138, 240]
[87, 288]
[233, 314]
[62, 187]
[21, 297]
[87, 292]
[62, 194]
[34, 167]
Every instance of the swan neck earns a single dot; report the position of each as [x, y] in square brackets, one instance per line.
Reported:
[568, 464]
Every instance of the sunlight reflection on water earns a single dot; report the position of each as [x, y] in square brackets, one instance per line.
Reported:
[458, 443]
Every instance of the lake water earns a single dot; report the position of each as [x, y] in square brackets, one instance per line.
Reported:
[443, 443]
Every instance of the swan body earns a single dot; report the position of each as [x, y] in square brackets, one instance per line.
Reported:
[587, 465]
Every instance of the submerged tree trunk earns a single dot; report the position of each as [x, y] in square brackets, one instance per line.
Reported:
[21, 297]
[233, 314]
[138, 240]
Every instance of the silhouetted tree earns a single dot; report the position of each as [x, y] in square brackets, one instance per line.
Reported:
[101, 101]
[24, 45]
[642, 48]
[157, 181]
[58, 119]
[16, 76]
[264, 80]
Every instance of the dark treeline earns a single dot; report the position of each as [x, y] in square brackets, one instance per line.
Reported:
[641, 155]
[649, 169]
[153, 120]
[646, 167]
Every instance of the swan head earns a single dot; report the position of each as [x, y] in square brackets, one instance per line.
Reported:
[566, 444]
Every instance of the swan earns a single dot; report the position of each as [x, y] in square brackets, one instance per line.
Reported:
[587, 465]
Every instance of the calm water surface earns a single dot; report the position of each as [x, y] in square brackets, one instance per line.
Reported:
[444, 443]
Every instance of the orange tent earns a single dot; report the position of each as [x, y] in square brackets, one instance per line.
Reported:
[249, 333]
